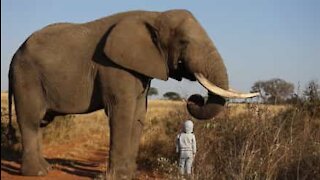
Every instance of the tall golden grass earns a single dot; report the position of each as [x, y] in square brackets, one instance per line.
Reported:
[246, 141]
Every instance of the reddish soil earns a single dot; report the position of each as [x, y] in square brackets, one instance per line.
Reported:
[77, 158]
[70, 161]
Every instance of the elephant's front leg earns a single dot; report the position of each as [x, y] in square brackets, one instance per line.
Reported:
[137, 128]
[121, 115]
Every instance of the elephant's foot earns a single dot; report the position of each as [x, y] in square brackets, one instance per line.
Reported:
[33, 168]
[45, 164]
[115, 175]
[120, 172]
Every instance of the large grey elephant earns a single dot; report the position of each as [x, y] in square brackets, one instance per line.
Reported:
[108, 64]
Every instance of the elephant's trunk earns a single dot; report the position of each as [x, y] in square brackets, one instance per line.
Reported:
[203, 60]
[201, 110]
[214, 78]
[213, 71]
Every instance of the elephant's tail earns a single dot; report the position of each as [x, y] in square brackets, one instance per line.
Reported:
[11, 135]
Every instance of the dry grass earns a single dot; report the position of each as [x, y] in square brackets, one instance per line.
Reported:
[284, 145]
[247, 141]
[70, 127]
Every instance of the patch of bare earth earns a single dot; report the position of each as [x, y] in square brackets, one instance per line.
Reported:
[82, 156]
[73, 160]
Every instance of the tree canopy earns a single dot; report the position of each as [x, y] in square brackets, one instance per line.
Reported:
[152, 91]
[274, 90]
[312, 92]
[172, 96]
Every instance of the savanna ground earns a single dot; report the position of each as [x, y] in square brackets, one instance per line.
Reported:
[247, 141]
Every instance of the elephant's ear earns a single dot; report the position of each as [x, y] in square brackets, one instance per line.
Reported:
[131, 44]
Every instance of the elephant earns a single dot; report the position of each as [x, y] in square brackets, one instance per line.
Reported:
[108, 63]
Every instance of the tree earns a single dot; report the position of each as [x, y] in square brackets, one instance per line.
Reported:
[152, 91]
[312, 92]
[312, 98]
[258, 87]
[172, 96]
[274, 91]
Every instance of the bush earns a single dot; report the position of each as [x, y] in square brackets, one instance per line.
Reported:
[282, 147]
[254, 144]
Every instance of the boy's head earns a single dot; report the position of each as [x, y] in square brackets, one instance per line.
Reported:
[188, 126]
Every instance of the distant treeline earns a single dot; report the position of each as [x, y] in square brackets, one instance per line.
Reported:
[273, 91]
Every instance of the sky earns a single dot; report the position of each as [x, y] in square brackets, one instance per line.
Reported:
[258, 39]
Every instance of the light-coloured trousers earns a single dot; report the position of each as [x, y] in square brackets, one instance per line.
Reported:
[185, 162]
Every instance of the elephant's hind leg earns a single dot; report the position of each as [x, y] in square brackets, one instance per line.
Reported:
[32, 163]
[44, 163]
[48, 118]
[30, 108]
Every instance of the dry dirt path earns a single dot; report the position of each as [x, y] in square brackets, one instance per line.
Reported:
[76, 159]
[70, 161]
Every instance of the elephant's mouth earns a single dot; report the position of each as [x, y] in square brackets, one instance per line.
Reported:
[182, 72]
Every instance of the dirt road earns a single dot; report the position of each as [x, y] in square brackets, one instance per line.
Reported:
[70, 161]
[81, 153]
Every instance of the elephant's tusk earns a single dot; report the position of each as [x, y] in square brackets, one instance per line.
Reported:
[221, 92]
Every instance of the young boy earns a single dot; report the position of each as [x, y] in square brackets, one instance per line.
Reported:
[186, 147]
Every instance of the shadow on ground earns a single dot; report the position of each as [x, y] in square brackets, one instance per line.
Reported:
[11, 163]
[76, 167]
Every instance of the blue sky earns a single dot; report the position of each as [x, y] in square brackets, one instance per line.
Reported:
[258, 39]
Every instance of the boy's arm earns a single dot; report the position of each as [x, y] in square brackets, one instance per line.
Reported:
[177, 144]
[194, 145]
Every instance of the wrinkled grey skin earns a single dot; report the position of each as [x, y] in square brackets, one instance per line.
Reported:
[108, 64]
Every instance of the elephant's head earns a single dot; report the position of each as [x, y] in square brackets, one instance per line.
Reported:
[173, 44]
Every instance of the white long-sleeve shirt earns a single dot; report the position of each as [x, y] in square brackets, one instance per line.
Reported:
[186, 142]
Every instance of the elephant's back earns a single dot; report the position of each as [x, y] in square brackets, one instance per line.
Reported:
[60, 44]
[63, 43]
[75, 40]
[59, 35]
